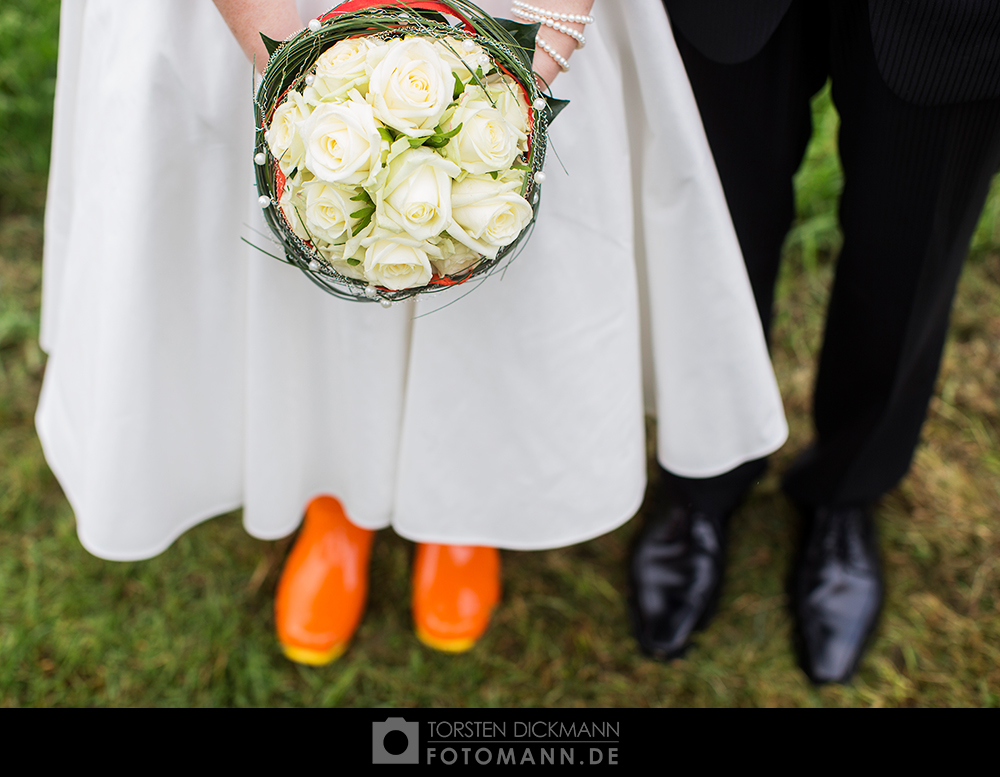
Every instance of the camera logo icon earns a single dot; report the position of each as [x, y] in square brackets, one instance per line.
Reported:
[395, 742]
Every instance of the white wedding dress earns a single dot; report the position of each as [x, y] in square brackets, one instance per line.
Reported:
[189, 375]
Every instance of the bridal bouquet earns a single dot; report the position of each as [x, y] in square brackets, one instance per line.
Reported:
[398, 154]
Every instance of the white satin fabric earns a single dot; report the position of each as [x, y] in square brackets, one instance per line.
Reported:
[190, 374]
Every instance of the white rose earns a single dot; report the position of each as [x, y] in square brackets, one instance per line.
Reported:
[455, 257]
[488, 215]
[328, 210]
[292, 203]
[342, 142]
[345, 66]
[411, 87]
[509, 99]
[486, 143]
[283, 137]
[462, 61]
[397, 263]
[335, 256]
[416, 195]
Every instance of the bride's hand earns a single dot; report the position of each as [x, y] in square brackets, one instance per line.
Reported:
[277, 19]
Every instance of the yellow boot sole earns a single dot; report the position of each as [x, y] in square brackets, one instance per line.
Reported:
[313, 657]
[460, 645]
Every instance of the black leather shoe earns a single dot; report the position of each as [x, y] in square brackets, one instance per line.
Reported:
[836, 591]
[676, 576]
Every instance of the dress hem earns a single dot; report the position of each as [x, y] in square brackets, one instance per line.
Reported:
[611, 526]
[710, 472]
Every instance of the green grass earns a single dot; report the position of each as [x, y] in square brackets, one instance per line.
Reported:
[194, 625]
[28, 38]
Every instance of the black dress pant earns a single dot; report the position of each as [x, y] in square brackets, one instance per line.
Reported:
[915, 180]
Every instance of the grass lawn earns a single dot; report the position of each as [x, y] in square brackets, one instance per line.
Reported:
[194, 626]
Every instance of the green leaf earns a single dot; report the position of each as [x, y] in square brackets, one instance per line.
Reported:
[451, 133]
[354, 262]
[524, 35]
[459, 87]
[495, 175]
[386, 135]
[270, 44]
[361, 196]
[365, 218]
[418, 142]
[555, 106]
[440, 138]
[437, 141]
[525, 168]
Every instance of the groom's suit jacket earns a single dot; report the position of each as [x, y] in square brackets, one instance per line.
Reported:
[929, 52]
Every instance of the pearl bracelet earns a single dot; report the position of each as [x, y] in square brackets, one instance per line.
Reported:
[559, 17]
[559, 59]
[581, 41]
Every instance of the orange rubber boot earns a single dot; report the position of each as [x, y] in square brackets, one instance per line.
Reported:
[323, 587]
[455, 588]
